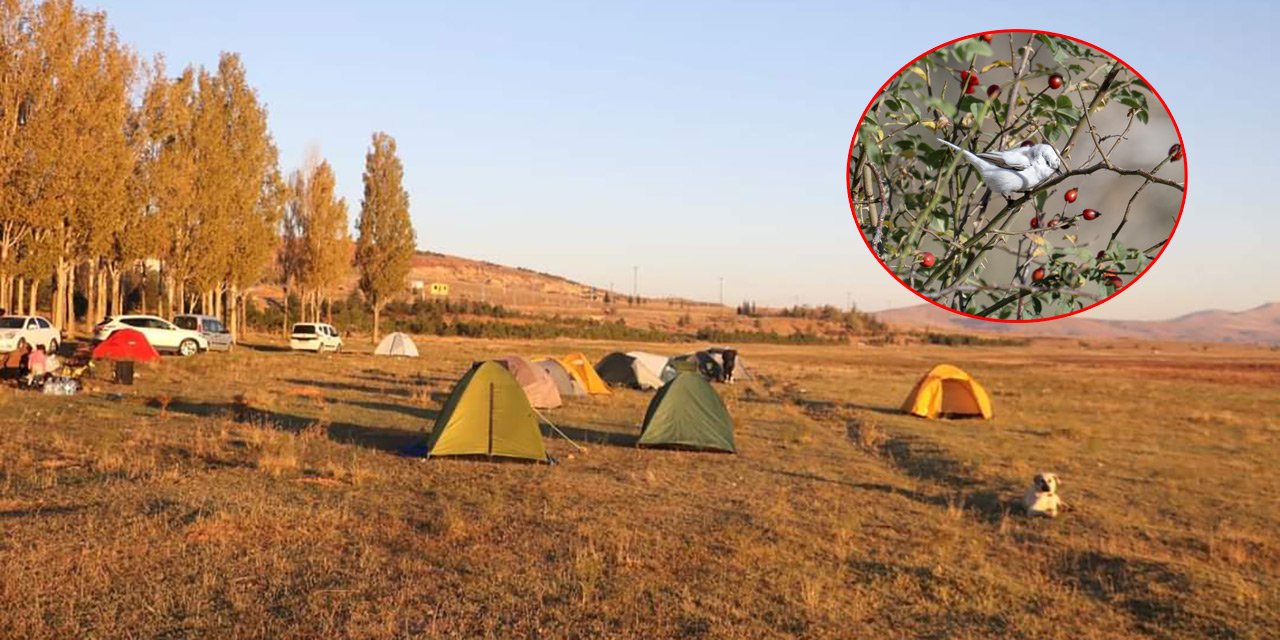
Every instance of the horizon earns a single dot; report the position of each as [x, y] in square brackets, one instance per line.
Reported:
[712, 135]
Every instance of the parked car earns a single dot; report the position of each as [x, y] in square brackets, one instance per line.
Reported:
[211, 328]
[162, 334]
[314, 336]
[35, 329]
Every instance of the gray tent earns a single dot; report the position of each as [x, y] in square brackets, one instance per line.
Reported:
[565, 383]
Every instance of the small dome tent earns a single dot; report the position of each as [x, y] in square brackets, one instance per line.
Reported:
[948, 391]
[397, 344]
[538, 386]
[635, 369]
[687, 413]
[487, 414]
[580, 368]
[566, 384]
[127, 345]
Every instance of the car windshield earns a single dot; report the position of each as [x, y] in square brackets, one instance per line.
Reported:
[185, 322]
[12, 323]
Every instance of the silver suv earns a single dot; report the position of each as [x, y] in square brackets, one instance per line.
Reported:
[211, 328]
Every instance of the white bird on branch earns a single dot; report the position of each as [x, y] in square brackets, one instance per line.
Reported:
[1017, 170]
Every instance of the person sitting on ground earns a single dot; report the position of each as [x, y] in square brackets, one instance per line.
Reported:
[15, 362]
[52, 363]
[37, 365]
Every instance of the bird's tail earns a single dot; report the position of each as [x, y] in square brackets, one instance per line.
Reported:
[950, 145]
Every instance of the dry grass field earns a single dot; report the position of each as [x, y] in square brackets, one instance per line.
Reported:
[262, 494]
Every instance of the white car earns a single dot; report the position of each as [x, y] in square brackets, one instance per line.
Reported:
[314, 336]
[35, 330]
[162, 334]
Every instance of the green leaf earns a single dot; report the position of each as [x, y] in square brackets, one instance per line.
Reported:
[946, 108]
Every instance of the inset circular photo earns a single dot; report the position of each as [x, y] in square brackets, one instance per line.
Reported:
[1017, 175]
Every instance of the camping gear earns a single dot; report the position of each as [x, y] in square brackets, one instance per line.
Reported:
[538, 386]
[565, 383]
[948, 391]
[687, 413]
[635, 369]
[580, 368]
[487, 414]
[397, 344]
[60, 386]
[125, 344]
[124, 371]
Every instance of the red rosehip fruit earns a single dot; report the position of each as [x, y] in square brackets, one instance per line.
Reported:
[1115, 281]
[927, 260]
[1035, 222]
[986, 37]
[1070, 195]
[1102, 255]
[1175, 153]
[1055, 81]
[1037, 275]
[1090, 214]
[1028, 143]
[993, 91]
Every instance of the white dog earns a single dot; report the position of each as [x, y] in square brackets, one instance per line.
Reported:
[1042, 498]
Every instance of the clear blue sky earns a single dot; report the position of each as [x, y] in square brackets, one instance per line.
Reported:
[708, 139]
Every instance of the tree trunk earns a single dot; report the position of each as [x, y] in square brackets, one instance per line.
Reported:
[91, 290]
[328, 309]
[233, 316]
[60, 296]
[71, 300]
[377, 316]
[22, 299]
[34, 298]
[284, 307]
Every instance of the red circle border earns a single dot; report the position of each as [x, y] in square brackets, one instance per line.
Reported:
[1177, 130]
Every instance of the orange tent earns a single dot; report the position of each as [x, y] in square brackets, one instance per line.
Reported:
[948, 391]
[125, 344]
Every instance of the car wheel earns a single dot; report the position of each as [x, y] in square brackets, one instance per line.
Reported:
[188, 348]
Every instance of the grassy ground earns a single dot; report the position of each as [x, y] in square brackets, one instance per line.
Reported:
[261, 494]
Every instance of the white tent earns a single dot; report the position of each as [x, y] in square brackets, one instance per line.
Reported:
[397, 344]
[655, 366]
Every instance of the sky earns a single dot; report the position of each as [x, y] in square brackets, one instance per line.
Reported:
[694, 141]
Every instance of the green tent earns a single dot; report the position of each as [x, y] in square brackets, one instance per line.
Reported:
[687, 413]
[487, 415]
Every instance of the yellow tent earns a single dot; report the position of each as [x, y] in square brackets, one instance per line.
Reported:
[488, 415]
[948, 390]
[584, 372]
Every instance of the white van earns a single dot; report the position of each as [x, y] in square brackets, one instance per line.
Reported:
[314, 336]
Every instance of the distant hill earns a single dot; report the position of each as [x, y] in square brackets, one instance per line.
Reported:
[1258, 325]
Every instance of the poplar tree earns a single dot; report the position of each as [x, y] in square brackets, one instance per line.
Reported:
[386, 242]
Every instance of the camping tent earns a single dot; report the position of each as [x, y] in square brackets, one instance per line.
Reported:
[948, 391]
[487, 414]
[710, 363]
[580, 368]
[397, 344]
[125, 344]
[566, 384]
[687, 413]
[633, 369]
[540, 388]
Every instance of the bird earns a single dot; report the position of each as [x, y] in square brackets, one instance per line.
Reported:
[1017, 170]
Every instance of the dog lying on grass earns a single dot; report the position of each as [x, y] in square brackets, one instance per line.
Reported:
[1041, 498]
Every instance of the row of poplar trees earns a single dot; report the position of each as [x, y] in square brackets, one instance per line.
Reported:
[112, 171]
